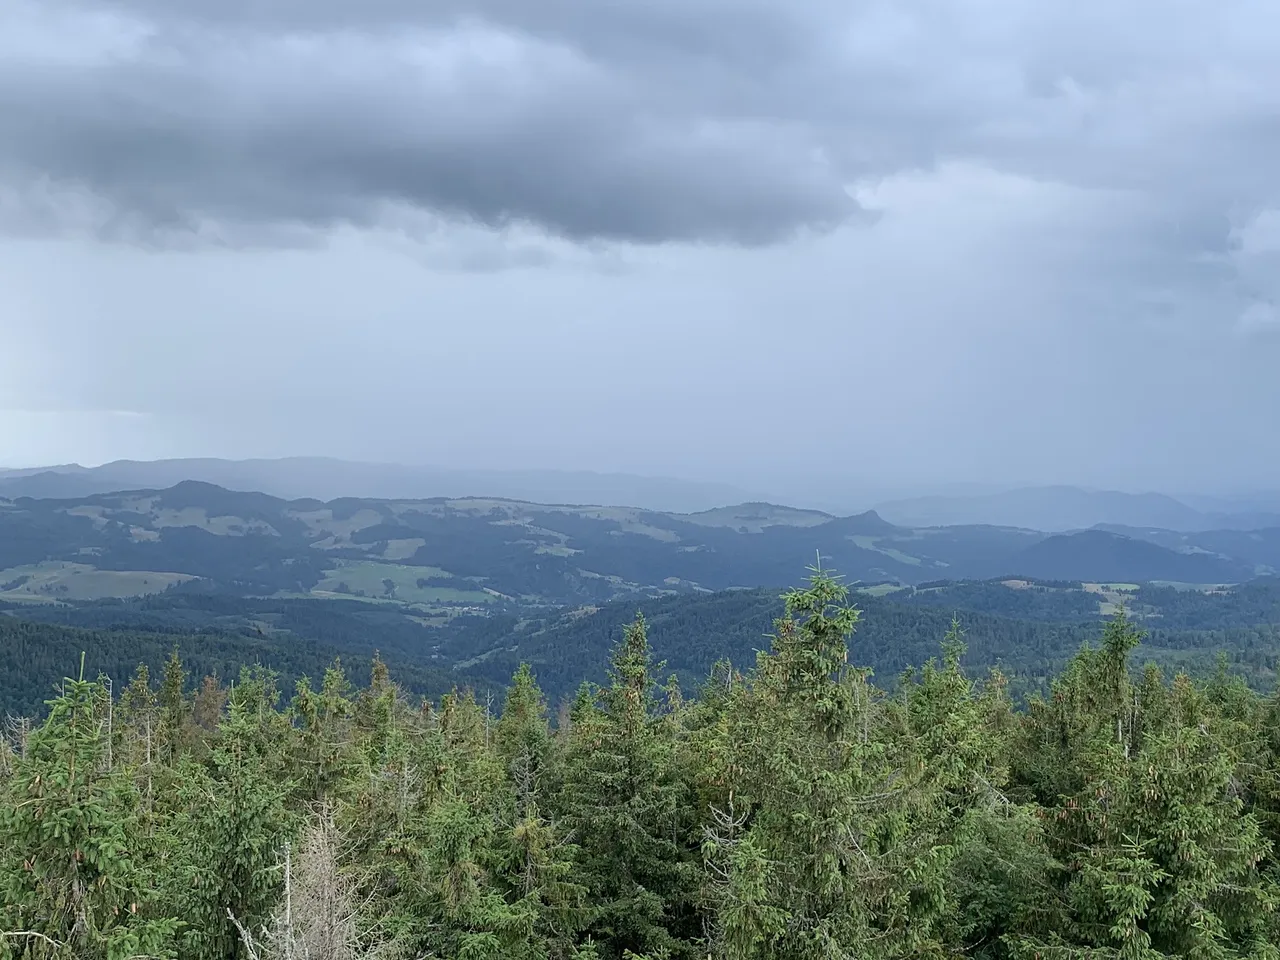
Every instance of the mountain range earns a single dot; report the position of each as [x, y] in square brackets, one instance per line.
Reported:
[325, 478]
[1063, 508]
[442, 554]
[1052, 509]
[460, 589]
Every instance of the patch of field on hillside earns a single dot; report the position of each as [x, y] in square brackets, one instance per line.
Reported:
[631, 521]
[143, 505]
[754, 517]
[515, 513]
[552, 549]
[437, 620]
[157, 518]
[321, 523]
[225, 526]
[881, 589]
[94, 513]
[873, 543]
[542, 533]
[403, 549]
[473, 505]
[373, 580]
[1196, 587]
[1112, 597]
[56, 580]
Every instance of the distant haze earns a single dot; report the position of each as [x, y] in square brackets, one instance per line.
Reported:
[1049, 509]
[833, 253]
[1070, 508]
[328, 479]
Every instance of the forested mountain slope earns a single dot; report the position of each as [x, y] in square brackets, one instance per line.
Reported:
[793, 811]
[1027, 628]
[691, 634]
[444, 555]
[34, 657]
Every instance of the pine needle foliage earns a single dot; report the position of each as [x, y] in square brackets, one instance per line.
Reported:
[791, 810]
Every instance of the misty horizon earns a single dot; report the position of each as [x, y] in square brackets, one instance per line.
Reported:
[327, 478]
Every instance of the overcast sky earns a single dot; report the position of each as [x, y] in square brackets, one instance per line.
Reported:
[898, 242]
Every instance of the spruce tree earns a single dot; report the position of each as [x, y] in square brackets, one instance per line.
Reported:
[534, 862]
[226, 836]
[814, 850]
[622, 804]
[175, 709]
[1143, 810]
[325, 748]
[70, 885]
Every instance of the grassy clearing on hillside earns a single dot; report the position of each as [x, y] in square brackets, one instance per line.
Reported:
[369, 578]
[754, 517]
[630, 522]
[95, 513]
[871, 543]
[56, 580]
[555, 550]
[1112, 597]
[630, 519]
[223, 526]
[403, 549]
[1196, 587]
[881, 589]
[321, 523]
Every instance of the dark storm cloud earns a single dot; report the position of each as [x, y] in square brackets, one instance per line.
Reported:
[313, 115]
[738, 121]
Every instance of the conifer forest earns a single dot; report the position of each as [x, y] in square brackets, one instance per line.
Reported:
[797, 808]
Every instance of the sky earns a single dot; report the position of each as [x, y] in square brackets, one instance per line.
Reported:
[783, 243]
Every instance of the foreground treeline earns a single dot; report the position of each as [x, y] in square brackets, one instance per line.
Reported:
[793, 811]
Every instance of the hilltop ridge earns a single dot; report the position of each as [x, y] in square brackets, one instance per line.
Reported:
[442, 553]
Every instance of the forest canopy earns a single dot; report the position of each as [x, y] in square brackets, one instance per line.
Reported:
[793, 809]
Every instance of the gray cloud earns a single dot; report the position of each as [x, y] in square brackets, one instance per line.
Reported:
[642, 120]
[174, 123]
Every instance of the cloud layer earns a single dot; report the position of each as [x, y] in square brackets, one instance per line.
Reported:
[636, 120]
[586, 128]
[1024, 241]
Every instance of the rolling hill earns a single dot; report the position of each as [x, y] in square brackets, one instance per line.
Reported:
[1184, 629]
[1027, 628]
[1259, 548]
[35, 656]
[1102, 555]
[461, 590]
[442, 556]
[1059, 509]
[327, 478]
